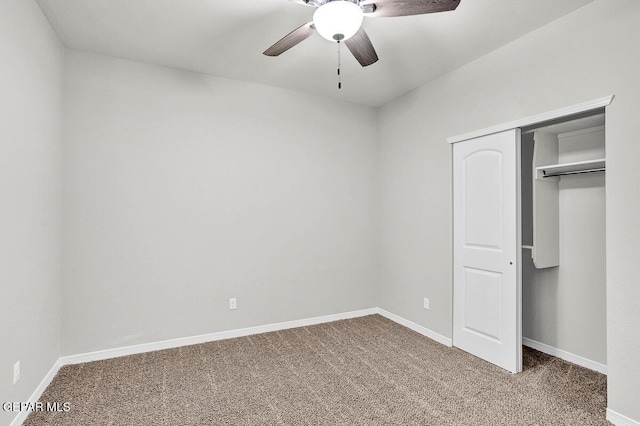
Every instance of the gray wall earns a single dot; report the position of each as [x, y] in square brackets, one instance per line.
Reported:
[31, 59]
[587, 54]
[182, 190]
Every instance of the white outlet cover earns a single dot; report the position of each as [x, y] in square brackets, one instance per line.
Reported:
[232, 303]
[426, 303]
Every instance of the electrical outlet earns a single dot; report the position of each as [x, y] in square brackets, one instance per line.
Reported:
[16, 372]
[426, 303]
[232, 303]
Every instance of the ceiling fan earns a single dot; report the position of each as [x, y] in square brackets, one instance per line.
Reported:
[341, 20]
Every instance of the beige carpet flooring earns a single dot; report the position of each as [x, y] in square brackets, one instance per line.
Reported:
[363, 371]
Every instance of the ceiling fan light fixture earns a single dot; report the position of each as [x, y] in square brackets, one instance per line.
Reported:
[338, 20]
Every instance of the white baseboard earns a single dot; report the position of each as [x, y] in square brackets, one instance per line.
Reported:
[35, 396]
[203, 338]
[211, 337]
[620, 420]
[567, 356]
[416, 327]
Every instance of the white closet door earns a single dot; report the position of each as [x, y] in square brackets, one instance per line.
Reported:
[486, 253]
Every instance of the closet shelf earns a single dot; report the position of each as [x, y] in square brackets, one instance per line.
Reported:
[577, 167]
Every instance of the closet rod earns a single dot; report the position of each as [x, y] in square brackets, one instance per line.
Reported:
[577, 172]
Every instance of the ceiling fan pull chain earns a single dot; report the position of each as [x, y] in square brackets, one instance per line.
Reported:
[339, 76]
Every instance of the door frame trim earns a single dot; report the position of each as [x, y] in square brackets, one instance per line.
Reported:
[535, 119]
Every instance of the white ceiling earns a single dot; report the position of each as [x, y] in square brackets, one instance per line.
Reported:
[227, 38]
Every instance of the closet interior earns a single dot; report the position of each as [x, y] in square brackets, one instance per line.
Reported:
[563, 236]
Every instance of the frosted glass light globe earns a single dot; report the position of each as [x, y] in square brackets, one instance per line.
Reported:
[338, 20]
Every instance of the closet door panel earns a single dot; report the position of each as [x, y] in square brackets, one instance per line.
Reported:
[487, 248]
[482, 181]
[482, 303]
